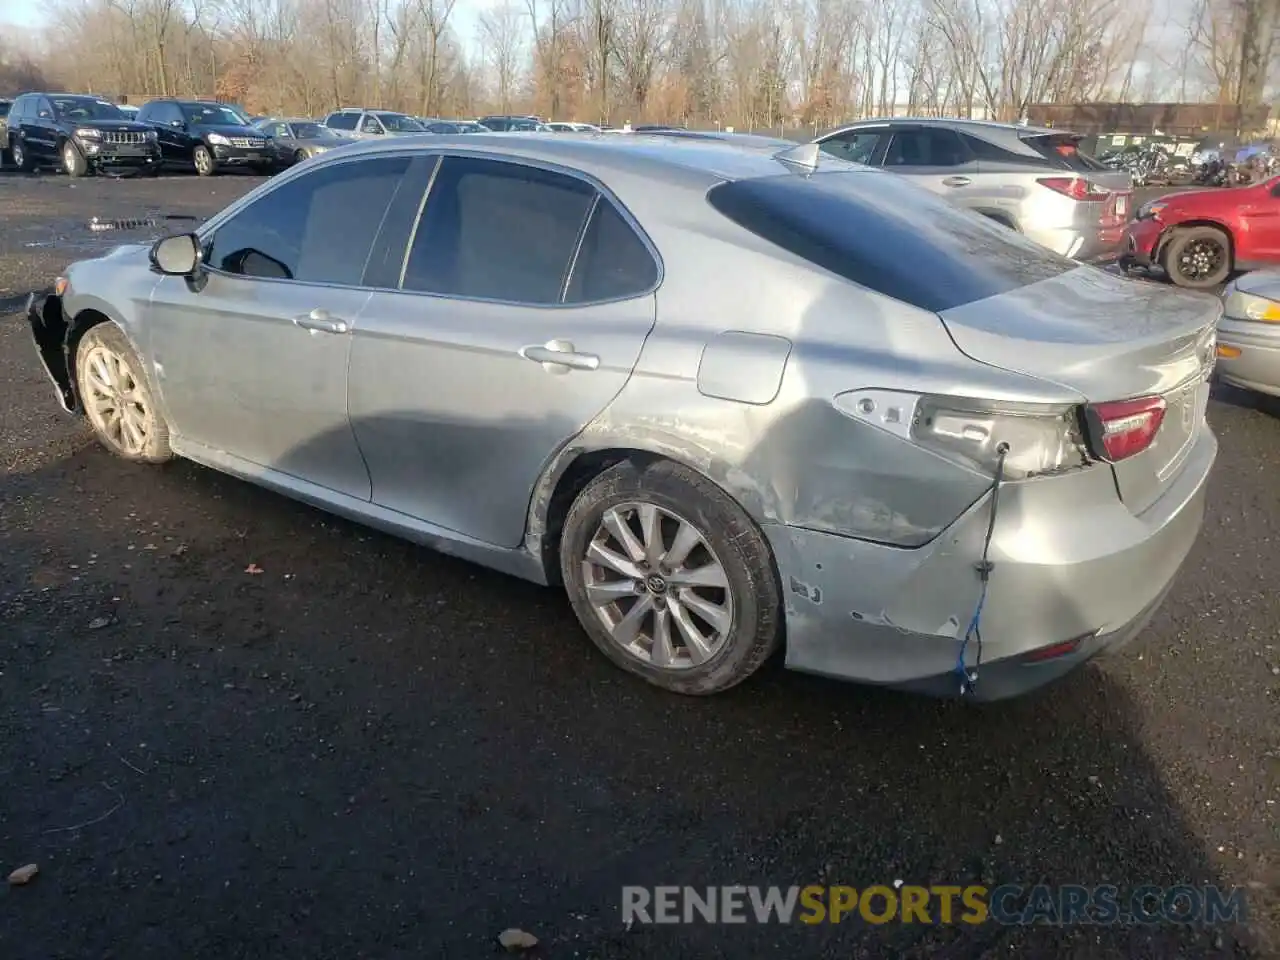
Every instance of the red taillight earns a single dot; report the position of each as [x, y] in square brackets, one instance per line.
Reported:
[1125, 427]
[1077, 188]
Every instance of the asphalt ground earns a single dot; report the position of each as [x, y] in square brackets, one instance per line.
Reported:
[372, 751]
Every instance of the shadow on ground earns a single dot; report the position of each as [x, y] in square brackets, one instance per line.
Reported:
[370, 750]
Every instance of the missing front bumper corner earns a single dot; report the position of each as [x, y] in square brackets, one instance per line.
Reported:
[49, 331]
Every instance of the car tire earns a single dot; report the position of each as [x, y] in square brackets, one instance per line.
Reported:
[202, 157]
[299, 156]
[21, 159]
[1197, 258]
[730, 594]
[117, 398]
[74, 163]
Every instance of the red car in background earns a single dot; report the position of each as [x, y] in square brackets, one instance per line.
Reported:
[1201, 237]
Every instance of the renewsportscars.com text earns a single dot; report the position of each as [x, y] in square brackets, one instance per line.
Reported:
[972, 904]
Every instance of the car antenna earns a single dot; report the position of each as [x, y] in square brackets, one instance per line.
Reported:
[802, 157]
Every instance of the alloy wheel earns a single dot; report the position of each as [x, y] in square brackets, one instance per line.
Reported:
[69, 158]
[657, 586]
[1201, 259]
[19, 160]
[114, 400]
[203, 161]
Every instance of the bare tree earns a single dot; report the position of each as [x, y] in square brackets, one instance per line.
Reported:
[502, 31]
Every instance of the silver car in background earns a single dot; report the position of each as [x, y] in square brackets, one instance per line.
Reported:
[296, 139]
[724, 395]
[361, 123]
[1033, 179]
[1249, 334]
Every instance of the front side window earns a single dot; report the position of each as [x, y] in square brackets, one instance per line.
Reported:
[370, 124]
[317, 228]
[498, 231]
[854, 146]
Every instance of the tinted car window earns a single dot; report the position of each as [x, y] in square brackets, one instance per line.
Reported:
[499, 231]
[986, 150]
[613, 262]
[342, 121]
[370, 125]
[854, 146]
[318, 228]
[4, 109]
[310, 131]
[925, 148]
[884, 233]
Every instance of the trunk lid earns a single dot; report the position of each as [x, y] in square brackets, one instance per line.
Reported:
[1062, 150]
[1107, 339]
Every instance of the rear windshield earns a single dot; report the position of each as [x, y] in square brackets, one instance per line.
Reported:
[1064, 150]
[889, 235]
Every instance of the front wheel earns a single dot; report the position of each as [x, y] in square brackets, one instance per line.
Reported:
[1198, 258]
[117, 398]
[670, 578]
[73, 161]
[206, 166]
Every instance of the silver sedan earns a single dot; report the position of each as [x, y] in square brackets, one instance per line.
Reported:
[730, 397]
[1249, 334]
[296, 140]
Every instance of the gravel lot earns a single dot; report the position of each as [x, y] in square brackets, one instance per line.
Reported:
[373, 751]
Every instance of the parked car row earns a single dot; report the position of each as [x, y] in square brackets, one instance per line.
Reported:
[83, 134]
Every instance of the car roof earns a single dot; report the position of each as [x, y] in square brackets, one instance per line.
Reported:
[656, 157]
[961, 122]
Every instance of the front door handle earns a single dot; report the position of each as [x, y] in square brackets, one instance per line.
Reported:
[320, 321]
[957, 181]
[559, 356]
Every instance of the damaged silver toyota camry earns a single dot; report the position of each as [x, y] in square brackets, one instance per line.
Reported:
[731, 399]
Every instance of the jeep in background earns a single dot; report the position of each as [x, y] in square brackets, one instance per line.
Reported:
[80, 133]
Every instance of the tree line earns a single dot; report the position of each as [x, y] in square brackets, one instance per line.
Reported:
[752, 64]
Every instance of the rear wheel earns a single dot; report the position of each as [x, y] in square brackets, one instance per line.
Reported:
[670, 578]
[1198, 258]
[117, 398]
[206, 166]
[21, 159]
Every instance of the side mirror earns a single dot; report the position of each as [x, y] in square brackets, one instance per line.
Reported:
[45, 115]
[177, 124]
[176, 256]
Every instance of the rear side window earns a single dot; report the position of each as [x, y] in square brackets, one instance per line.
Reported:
[498, 231]
[888, 235]
[317, 228]
[929, 147]
[4, 109]
[342, 121]
[986, 150]
[613, 263]
[1063, 150]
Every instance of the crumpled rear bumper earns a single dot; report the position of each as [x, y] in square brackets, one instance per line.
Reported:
[49, 332]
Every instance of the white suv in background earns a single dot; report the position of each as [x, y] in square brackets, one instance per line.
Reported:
[1033, 179]
[365, 124]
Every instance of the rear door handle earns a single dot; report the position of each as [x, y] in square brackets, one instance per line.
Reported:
[559, 356]
[957, 181]
[320, 321]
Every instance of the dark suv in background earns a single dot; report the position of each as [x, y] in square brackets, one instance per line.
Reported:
[79, 133]
[207, 135]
